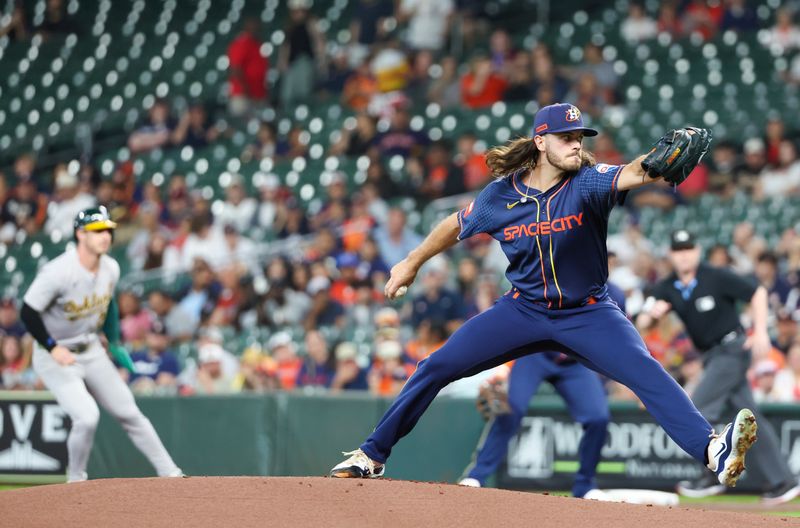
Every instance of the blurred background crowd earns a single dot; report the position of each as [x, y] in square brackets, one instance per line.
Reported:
[331, 150]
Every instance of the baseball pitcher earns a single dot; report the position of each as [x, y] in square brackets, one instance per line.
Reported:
[548, 208]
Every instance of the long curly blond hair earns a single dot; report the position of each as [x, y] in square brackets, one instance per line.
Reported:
[521, 153]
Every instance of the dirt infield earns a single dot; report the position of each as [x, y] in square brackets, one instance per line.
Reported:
[305, 502]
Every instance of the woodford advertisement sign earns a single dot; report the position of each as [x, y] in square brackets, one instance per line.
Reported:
[637, 453]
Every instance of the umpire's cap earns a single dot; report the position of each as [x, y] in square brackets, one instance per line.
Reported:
[681, 239]
[94, 219]
[559, 117]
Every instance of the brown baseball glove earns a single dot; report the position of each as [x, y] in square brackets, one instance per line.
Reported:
[493, 398]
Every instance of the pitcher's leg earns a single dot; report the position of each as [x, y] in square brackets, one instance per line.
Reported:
[607, 339]
[586, 399]
[67, 385]
[523, 382]
[111, 392]
[487, 340]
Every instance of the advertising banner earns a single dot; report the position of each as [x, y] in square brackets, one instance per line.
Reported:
[33, 438]
[637, 453]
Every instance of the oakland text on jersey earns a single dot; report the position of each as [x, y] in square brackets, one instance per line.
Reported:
[91, 305]
[532, 229]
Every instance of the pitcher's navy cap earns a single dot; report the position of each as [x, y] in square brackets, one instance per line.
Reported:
[559, 117]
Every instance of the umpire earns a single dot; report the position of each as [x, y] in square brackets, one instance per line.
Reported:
[705, 298]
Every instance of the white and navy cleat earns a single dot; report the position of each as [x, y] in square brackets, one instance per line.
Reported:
[726, 451]
[358, 465]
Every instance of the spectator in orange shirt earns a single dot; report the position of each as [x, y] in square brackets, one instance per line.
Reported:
[343, 289]
[472, 161]
[437, 174]
[357, 226]
[388, 374]
[286, 365]
[359, 88]
[481, 87]
[787, 380]
[667, 342]
[431, 335]
[248, 71]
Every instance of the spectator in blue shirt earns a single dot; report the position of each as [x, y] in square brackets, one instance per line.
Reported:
[437, 302]
[9, 319]
[317, 369]
[349, 375]
[157, 366]
[395, 240]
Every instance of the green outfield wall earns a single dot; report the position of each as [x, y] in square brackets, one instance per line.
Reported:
[286, 434]
[304, 434]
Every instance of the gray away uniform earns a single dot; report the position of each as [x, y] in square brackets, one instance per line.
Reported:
[73, 303]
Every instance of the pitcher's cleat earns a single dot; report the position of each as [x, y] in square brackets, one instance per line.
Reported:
[726, 451]
[358, 465]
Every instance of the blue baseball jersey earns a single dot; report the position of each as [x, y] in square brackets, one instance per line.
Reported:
[555, 240]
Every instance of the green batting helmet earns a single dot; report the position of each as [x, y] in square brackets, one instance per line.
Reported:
[93, 219]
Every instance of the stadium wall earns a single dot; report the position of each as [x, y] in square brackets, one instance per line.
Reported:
[299, 434]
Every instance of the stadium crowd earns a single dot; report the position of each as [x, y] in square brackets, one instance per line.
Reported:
[318, 303]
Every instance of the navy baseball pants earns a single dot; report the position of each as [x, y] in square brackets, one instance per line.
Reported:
[598, 335]
[582, 391]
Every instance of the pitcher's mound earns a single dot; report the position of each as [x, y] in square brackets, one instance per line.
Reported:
[299, 502]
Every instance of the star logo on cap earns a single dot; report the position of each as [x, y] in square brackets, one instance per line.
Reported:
[682, 236]
[573, 114]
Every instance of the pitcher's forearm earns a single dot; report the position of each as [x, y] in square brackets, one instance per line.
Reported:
[443, 236]
[633, 175]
